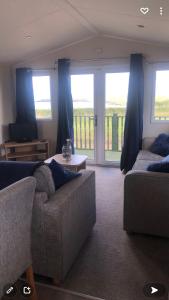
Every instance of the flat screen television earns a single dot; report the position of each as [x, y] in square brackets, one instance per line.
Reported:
[25, 132]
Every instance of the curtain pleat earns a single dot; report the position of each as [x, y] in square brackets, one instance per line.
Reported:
[65, 106]
[25, 106]
[134, 115]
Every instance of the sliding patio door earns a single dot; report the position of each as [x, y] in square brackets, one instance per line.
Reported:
[99, 103]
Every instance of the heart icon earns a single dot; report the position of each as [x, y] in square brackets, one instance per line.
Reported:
[144, 10]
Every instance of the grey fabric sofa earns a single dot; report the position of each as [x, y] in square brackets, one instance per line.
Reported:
[16, 203]
[62, 221]
[146, 196]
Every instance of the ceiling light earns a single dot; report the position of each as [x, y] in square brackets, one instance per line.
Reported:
[140, 26]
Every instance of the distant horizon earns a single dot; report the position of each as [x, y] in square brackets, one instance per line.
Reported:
[82, 87]
[116, 91]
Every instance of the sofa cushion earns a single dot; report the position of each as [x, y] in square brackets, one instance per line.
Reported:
[161, 145]
[162, 167]
[147, 155]
[142, 165]
[44, 180]
[61, 175]
[147, 142]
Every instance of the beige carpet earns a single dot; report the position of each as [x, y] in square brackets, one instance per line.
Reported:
[113, 265]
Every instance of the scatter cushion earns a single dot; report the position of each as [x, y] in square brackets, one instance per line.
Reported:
[161, 145]
[162, 167]
[61, 175]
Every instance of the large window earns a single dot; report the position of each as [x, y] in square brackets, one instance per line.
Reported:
[161, 104]
[42, 97]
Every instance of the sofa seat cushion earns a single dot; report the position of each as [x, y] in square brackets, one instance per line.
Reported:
[142, 165]
[147, 155]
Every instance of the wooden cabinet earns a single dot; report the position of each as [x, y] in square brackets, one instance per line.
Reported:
[35, 150]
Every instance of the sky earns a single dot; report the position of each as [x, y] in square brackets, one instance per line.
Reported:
[41, 89]
[162, 84]
[83, 89]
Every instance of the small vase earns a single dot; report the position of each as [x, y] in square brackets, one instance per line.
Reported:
[67, 150]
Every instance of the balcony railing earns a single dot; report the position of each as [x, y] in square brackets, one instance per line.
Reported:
[162, 118]
[84, 132]
[114, 130]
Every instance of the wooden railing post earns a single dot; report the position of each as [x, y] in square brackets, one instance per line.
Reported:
[115, 132]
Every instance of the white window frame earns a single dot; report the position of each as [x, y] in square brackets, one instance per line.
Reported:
[157, 67]
[45, 73]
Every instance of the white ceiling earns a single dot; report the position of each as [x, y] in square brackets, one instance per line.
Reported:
[31, 27]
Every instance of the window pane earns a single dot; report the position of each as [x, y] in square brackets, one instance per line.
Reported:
[161, 109]
[82, 87]
[42, 96]
[115, 108]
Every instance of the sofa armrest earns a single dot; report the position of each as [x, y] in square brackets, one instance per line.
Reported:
[16, 202]
[146, 174]
[68, 190]
[146, 202]
[68, 217]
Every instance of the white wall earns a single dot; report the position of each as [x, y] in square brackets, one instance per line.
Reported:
[103, 47]
[6, 101]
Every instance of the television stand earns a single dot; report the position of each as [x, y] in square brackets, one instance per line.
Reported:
[35, 150]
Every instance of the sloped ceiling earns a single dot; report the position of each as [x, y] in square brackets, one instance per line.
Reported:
[31, 27]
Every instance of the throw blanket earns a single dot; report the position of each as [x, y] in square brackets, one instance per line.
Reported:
[12, 171]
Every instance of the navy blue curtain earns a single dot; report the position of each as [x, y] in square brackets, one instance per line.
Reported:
[25, 107]
[134, 114]
[65, 106]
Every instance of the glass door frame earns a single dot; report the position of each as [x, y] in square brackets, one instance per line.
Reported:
[99, 71]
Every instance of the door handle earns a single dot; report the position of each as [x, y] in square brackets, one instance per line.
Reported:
[95, 120]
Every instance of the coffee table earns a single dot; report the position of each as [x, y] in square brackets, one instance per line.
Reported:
[76, 163]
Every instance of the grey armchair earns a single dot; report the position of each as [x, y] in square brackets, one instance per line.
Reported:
[16, 203]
